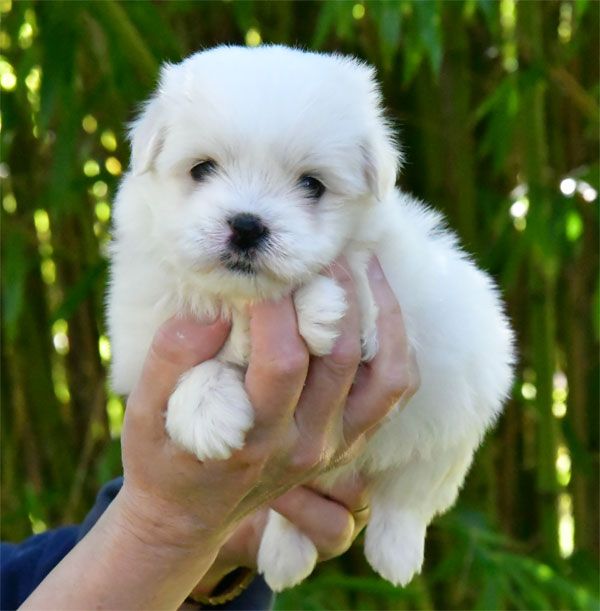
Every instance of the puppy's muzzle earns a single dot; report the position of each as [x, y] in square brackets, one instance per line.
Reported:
[247, 232]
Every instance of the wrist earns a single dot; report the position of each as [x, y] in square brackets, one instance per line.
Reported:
[163, 527]
[140, 562]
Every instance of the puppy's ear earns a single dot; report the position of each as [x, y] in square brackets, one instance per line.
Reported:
[147, 132]
[382, 160]
[382, 156]
[147, 135]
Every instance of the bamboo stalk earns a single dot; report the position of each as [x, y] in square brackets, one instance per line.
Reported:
[456, 125]
[534, 152]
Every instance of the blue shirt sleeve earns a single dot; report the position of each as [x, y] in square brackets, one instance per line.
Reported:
[23, 566]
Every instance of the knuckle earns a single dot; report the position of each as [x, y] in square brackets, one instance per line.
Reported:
[398, 381]
[254, 456]
[289, 363]
[308, 460]
[345, 355]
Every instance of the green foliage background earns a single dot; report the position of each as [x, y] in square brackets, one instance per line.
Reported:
[497, 106]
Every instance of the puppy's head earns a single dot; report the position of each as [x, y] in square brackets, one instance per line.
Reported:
[255, 164]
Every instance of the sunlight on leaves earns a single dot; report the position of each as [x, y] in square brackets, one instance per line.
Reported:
[108, 140]
[113, 166]
[358, 11]
[99, 189]
[508, 23]
[41, 221]
[563, 466]
[89, 124]
[568, 186]
[104, 348]
[102, 210]
[573, 226]
[566, 525]
[60, 339]
[91, 168]
[38, 526]
[8, 78]
[565, 24]
[253, 38]
[9, 203]
[115, 412]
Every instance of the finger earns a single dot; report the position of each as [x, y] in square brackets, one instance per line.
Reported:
[278, 361]
[319, 413]
[392, 377]
[178, 345]
[353, 491]
[328, 524]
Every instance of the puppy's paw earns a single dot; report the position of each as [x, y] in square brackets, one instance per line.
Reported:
[320, 305]
[209, 413]
[369, 343]
[286, 556]
[394, 544]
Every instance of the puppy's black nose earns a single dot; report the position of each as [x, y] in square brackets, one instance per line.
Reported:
[247, 230]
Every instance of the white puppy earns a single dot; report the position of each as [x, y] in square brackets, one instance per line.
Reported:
[252, 170]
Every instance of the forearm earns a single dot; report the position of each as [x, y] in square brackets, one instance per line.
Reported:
[113, 567]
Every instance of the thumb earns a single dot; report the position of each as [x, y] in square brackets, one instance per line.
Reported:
[178, 345]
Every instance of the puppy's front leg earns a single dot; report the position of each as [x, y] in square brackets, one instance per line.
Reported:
[320, 305]
[209, 413]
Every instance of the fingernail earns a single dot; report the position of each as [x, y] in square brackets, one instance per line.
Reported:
[266, 305]
[340, 269]
[375, 270]
[188, 328]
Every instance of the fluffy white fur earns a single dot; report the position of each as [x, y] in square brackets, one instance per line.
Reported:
[266, 116]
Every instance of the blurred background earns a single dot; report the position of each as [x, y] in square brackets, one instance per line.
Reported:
[496, 102]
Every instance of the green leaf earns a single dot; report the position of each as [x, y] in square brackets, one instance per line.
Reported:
[244, 14]
[573, 225]
[596, 310]
[428, 16]
[493, 593]
[388, 16]
[77, 294]
[490, 9]
[501, 108]
[325, 24]
[413, 53]
[581, 7]
[126, 37]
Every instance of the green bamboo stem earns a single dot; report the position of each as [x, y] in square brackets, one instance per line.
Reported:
[534, 151]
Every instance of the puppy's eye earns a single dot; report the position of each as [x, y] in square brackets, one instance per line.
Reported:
[314, 188]
[201, 171]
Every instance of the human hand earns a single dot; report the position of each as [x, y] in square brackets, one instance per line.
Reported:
[188, 500]
[173, 514]
[306, 419]
[331, 517]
